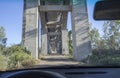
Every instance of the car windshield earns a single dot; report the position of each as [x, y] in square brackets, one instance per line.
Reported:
[44, 33]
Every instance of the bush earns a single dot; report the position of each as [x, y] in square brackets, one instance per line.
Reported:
[18, 57]
[15, 48]
[20, 60]
[3, 62]
[70, 47]
[105, 58]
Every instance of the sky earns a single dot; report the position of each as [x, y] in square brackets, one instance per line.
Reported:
[11, 16]
[95, 24]
[11, 12]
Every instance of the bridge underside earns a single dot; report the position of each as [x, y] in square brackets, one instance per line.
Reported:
[54, 26]
[54, 34]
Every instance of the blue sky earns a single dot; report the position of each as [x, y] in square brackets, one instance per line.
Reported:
[11, 13]
[96, 24]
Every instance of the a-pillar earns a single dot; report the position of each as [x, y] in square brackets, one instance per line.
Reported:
[30, 27]
[80, 30]
[65, 49]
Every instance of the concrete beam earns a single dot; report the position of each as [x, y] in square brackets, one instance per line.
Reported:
[54, 24]
[51, 26]
[55, 8]
[54, 33]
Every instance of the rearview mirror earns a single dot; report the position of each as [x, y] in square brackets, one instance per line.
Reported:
[107, 10]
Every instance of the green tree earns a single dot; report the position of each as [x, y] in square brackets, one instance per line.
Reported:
[18, 57]
[2, 36]
[111, 35]
[20, 60]
[70, 41]
[13, 49]
[2, 32]
[95, 37]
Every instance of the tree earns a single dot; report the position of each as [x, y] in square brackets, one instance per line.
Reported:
[111, 35]
[2, 36]
[107, 47]
[2, 32]
[70, 41]
[95, 37]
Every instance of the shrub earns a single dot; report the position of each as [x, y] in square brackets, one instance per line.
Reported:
[3, 62]
[105, 58]
[70, 47]
[15, 48]
[18, 57]
[20, 60]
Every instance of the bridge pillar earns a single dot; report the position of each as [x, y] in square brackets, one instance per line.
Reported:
[65, 49]
[44, 36]
[30, 27]
[80, 30]
[44, 50]
[65, 39]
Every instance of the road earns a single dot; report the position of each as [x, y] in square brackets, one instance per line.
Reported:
[57, 60]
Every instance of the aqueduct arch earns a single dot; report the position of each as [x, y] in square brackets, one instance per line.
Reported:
[54, 33]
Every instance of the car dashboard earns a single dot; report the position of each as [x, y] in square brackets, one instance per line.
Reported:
[68, 72]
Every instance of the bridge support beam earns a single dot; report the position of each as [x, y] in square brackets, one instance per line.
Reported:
[65, 49]
[44, 50]
[30, 27]
[55, 8]
[65, 40]
[80, 30]
[80, 27]
[44, 36]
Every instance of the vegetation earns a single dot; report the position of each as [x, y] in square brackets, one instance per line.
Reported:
[70, 42]
[13, 57]
[106, 49]
[2, 36]
[20, 60]
[105, 58]
[3, 62]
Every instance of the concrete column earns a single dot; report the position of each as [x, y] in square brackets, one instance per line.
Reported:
[30, 27]
[64, 36]
[80, 29]
[44, 42]
[44, 50]
[49, 47]
[65, 49]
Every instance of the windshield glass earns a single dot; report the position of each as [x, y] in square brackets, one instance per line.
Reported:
[43, 33]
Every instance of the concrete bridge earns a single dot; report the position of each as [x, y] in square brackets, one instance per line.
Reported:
[52, 16]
